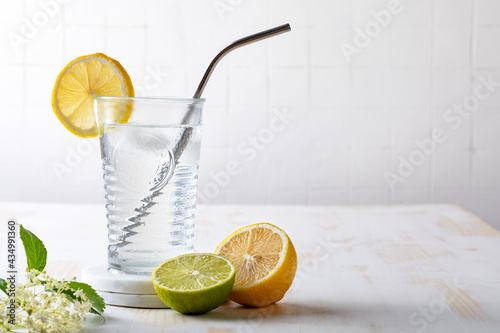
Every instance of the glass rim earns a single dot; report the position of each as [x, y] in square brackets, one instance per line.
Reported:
[151, 99]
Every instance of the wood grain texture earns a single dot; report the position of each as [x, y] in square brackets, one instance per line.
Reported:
[423, 268]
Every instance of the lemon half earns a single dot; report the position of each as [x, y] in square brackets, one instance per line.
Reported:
[265, 261]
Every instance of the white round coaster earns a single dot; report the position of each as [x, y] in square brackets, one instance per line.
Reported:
[134, 301]
[122, 289]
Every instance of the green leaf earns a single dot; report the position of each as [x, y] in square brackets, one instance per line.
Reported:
[97, 301]
[36, 253]
[3, 286]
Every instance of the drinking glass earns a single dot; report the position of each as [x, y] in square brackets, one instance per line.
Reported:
[150, 149]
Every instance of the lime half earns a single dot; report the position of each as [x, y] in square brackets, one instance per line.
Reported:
[194, 283]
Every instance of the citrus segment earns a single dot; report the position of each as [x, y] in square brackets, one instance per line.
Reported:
[194, 283]
[79, 82]
[265, 261]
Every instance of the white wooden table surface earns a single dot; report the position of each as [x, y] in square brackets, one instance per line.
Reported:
[425, 268]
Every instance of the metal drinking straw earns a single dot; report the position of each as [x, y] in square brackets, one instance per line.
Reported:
[148, 201]
[184, 138]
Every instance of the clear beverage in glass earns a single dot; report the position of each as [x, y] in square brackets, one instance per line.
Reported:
[150, 163]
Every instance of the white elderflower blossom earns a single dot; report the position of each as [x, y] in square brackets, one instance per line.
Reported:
[45, 304]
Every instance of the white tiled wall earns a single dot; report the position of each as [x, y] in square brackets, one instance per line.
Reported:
[349, 122]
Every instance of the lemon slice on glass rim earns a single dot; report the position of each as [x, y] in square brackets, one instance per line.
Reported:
[78, 83]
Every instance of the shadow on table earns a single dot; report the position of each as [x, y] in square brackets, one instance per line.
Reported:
[340, 312]
[230, 311]
[312, 313]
